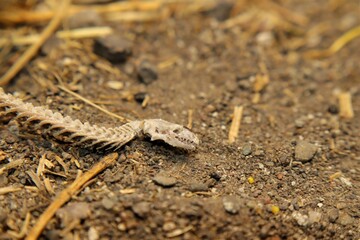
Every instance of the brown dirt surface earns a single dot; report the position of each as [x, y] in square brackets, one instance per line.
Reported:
[293, 172]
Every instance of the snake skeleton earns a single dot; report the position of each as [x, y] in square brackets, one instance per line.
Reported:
[91, 136]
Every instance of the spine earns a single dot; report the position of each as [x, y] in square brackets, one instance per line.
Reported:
[65, 128]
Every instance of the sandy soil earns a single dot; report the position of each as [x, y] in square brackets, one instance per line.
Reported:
[292, 173]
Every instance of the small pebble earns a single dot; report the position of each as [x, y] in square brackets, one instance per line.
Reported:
[140, 97]
[301, 219]
[247, 149]
[305, 151]
[333, 109]
[247, 120]
[73, 211]
[314, 217]
[164, 181]
[275, 209]
[107, 203]
[9, 138]
[333, 215]
[198, 187]
[53, 43]
[251, 180]
[169, 226]
[116, 85]
[299, 123]
[210, 182]
[114, 48]
[231, 204]
[4, 181]
[87, 18]
[265, 38]
[93, 234]
[345, 219]
[216, 176]
[221, 11]
[147, 72]
[141, 209]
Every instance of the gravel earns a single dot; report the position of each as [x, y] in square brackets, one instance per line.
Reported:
[164, 181]
[305, 151]
[231, 204]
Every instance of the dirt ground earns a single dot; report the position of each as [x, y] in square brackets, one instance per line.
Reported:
[293, 172]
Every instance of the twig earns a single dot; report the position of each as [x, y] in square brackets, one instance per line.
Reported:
[261, 81]
[31, 51]
[87, 101]
[67, 193]
[235, 124]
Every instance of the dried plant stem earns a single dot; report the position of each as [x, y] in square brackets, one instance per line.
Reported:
[235, 124]
[336, 46]
[30, 52]
[190, 119]
[345, 105]
[67, 193]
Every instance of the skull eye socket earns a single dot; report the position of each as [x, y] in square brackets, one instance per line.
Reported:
[177, 130]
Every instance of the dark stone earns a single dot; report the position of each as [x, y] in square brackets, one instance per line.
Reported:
[305, 151]
[215, 176]
[221, 11]
[141, 209]
[51, 44]
[198, 187]
[333, 109]
[147, 72]
[139, 97]
[164, 181]
[87, 18]
[114, 48]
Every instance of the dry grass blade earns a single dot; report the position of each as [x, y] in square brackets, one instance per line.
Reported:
[9, 189]
[30, 52]
[87, 101]
[79, 33]
[16, 16]
[235, 124]
[336, 46]
[36, 179]
[11, 165]
[291, 16]
[136, 16]
[67, 193]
